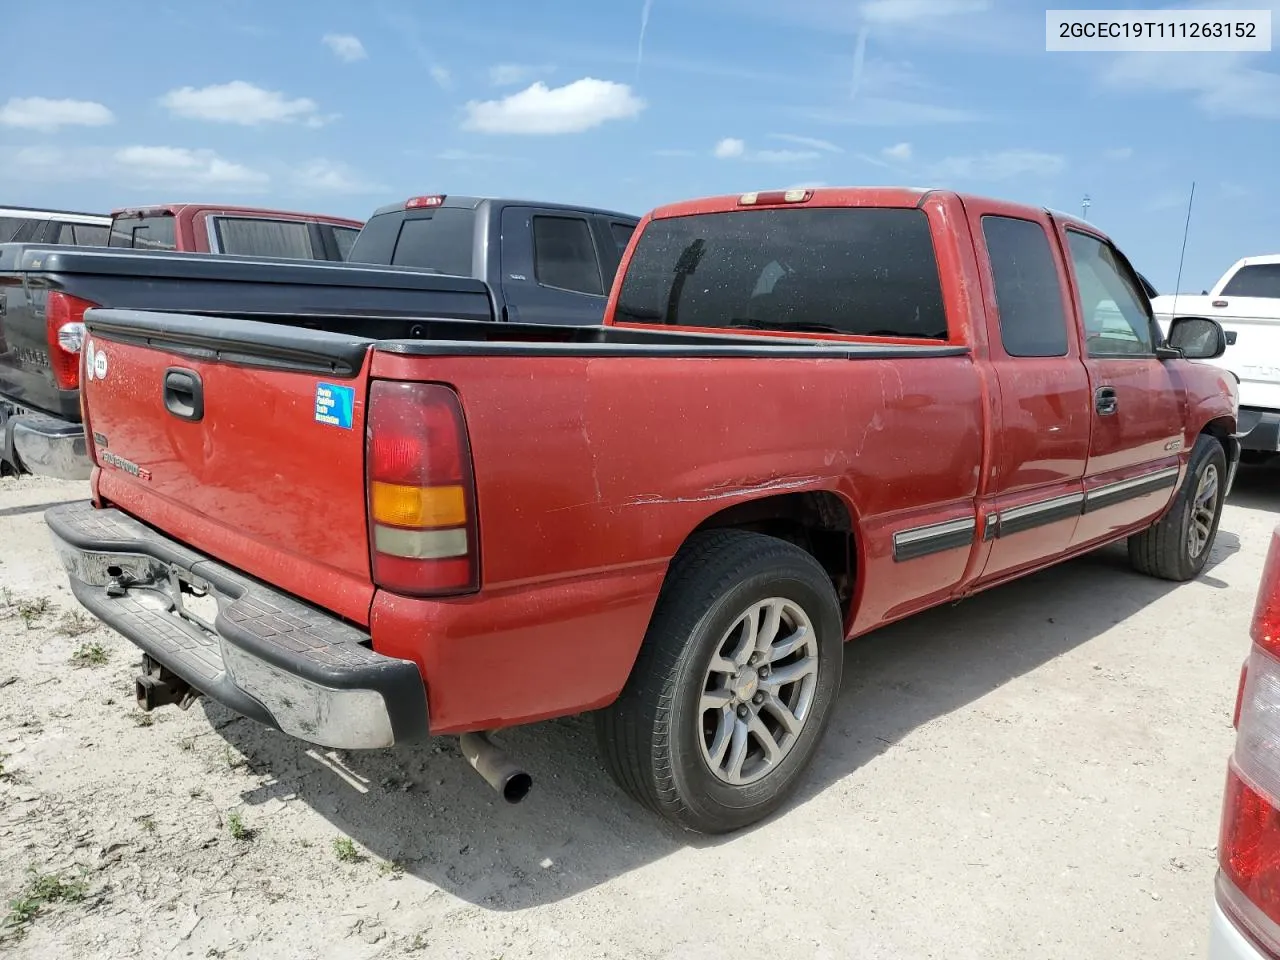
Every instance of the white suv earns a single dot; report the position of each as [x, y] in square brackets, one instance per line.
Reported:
[33, 225]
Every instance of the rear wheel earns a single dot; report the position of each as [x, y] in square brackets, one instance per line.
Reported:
[1177, 546]
[733, 686]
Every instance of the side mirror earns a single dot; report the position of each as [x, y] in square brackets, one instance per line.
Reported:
[1197, 338]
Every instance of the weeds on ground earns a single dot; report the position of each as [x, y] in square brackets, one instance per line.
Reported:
[32, 610]
[391, 868]
[144, 719]
[344, 848]
[147, 822]
[41, 889]
[237, 828]
[187, 744]
[75, 623]
[92, 654]
[234, 760]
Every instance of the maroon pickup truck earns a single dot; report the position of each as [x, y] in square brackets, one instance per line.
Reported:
[807, 414]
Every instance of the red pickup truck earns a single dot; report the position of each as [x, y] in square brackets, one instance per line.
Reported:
[238, 231]
[807, 414]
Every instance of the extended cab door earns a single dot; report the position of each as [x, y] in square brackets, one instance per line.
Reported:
[1137, 407]
[1040, 402]
[552, 268]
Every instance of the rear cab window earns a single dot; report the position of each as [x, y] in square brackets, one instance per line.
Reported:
[1255, 280]
[345, 238]
[858, 271]
[263, 237]
[439, 239]
[143, 232]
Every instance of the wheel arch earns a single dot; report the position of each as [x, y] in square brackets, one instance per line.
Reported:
[820, 522]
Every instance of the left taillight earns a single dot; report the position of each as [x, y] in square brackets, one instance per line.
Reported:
[422, 515]
[64, 320]
[1249, 840]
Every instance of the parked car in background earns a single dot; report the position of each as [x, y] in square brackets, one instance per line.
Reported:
[35, 225]
[807, 414]
[1246, 301]
[234, 231]
[468, 259]
[546, 262]
[1246, 914]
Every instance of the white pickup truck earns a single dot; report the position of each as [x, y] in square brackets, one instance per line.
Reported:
[1246, 301]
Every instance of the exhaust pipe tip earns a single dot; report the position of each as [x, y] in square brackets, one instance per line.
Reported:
[517, 787]
[497, 769]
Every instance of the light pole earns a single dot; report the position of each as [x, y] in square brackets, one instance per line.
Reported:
[1085, 204]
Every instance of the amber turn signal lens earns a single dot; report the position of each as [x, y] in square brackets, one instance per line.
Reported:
[402, 506]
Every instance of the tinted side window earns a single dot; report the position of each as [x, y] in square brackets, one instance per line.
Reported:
[564, 255]
[29, 230]
[1255, 280]
[8, 227]
[345, 238]
[866, 271]
[91, 235]
[256, 237]
[621, 235]
[143, 233]
[65, 233]
[1028, 292]
[1112, 304]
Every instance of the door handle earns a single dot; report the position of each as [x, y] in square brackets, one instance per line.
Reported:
[1105, 401]
[184, 394]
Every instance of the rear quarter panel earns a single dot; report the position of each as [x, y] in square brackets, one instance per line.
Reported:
[591, 473]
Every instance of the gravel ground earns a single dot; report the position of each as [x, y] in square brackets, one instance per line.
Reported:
[1035, 772]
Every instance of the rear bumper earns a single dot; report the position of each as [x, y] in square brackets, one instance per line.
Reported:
[1227, 942]
[43, 445]
[1259, 429]
[263, 654]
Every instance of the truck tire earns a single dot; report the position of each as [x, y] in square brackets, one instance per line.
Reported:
[1177, 546]
[733, 686]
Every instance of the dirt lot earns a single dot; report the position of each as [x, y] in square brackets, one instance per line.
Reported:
[1035, 772]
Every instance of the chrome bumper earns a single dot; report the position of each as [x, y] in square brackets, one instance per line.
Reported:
[260, 652]
[44, 445]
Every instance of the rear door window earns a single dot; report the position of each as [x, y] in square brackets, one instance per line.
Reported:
[1255, 280]
[144, 233]
[865, 271]
[1028, 290]
[261, 237]
[564, 255]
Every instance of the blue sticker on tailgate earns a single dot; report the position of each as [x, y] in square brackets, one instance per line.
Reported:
[335, 405]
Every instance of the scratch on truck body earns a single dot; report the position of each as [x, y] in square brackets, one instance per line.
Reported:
[726, 491]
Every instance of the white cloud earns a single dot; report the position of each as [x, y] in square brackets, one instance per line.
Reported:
[514, 74]
[178, 166]
[442, 76]
[242, 103]
[540, 109]
[41, 113]
[912, 11]
[813, 143]
[900, 152]
[1220, 84]
[345, 47]
[1000, 165]
[1118, 153]
[730, 147]
[326, 176]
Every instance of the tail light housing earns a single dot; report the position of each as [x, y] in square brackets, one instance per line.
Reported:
[422, 516]
[1248, 885]
[64, 318]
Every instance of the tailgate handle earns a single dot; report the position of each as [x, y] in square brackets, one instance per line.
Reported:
[184, 394]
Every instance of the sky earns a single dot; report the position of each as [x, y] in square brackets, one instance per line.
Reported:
[338, 107]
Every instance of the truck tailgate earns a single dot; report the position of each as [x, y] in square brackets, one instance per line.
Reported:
[245, 442]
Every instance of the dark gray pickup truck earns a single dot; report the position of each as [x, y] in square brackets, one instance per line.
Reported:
[434, 257]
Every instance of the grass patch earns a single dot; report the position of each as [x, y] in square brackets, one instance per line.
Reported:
[187, 744]
[237, 827]
[144, 719]
[41, 890]
[344, 848]
[391, 868]
[75, 623]
[32, 610]
[92, 654]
